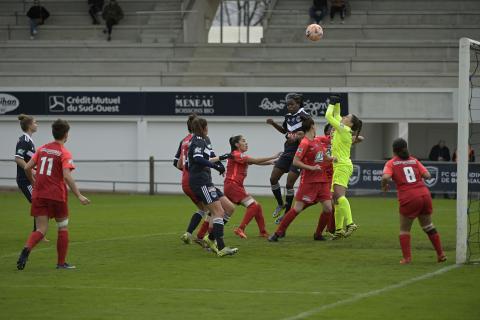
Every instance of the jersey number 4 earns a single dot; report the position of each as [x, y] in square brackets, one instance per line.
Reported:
[49, 167]
[409, 174]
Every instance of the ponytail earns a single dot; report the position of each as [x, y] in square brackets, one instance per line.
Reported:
[356, 125]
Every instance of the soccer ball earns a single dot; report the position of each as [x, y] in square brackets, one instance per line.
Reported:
[314, 32]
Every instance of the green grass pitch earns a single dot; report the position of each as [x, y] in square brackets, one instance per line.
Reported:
[131, 264]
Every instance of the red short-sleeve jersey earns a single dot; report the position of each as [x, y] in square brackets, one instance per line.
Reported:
[407, 175]
[184, 152]
[327, 143]
[50, 160]
[237, 167]
[312, 153]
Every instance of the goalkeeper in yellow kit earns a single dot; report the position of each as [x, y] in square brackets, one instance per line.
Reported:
[347, 129]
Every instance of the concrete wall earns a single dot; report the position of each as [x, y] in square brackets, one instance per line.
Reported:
[137, 138]
[196, 24]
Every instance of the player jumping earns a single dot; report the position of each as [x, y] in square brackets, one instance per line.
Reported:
[294, 132]
[414, 198]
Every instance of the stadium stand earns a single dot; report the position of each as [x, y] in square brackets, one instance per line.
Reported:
[389, 43]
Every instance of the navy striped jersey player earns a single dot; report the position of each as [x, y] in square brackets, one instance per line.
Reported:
[199, 167]
[24, 150]
[291, 124]
[294, 123]
[199, 154]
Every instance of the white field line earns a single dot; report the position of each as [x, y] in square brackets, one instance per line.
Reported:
[97, 240]
[240, 291]
[369, 294]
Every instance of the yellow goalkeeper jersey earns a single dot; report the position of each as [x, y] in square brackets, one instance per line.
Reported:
[342, 136]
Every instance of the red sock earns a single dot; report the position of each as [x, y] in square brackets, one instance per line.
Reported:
[260, 220]
[322, 222]
[249, 214]
[331, 221]
[289, 217]
[435, 239]
[62, 245]
[34, 238]
[203, 229]
[405, 245]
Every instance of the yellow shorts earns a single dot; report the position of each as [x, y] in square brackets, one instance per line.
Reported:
[341, 175]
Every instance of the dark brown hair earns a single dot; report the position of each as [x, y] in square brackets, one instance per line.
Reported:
[198, 127]
[190, 120]
[400, 148]
[356, 125]
[233, 141]
[59, 129]
[327, 128]
[25, 121]
[307, 124]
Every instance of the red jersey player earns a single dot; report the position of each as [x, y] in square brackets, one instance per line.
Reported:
[181, 162]
[414, 198]
[312, 157]
[234, 190]
[49, 199]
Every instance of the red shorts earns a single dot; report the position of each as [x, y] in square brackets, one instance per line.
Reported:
[417, 206]
[315, 192]
[188, 191]
[235, 192]
[50, 208]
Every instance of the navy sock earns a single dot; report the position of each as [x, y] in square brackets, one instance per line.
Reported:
[218, 232]
[289, 199]
[194, 222]
[277, 192]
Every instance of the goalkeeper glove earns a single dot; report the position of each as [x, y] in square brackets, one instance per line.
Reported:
[334, 99]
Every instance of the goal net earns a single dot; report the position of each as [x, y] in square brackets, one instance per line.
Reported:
[468, 201]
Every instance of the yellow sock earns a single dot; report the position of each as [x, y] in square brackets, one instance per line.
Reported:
[339, 216]
[347, 212]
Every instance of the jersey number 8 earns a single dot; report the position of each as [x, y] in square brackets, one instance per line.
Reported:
[409, 174]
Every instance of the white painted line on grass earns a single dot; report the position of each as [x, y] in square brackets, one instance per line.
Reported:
[72, 243]
[372, 293]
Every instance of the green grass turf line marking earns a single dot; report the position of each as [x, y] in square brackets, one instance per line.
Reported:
[369, 294]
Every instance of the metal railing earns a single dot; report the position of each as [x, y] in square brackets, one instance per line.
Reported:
[159, 176]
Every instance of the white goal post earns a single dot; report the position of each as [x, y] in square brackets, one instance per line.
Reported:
[462, 147]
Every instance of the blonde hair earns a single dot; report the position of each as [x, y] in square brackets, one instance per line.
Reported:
[25, 121]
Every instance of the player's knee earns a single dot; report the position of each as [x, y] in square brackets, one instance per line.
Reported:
[429, 229]
[249, 202]
[273, 180]
[42, 229]
[202, 213]
[327, 211]
[62, 224]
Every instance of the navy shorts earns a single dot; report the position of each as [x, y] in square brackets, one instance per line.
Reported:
[26, 188]
[207, 193]
[284, 163]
